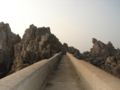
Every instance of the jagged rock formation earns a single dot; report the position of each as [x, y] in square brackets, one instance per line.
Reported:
[40, 43]
[7, 42]
[104, 56]
[101, 49]
[36, 44]
[72, 50]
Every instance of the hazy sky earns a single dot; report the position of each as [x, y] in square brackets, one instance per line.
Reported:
[72, 21]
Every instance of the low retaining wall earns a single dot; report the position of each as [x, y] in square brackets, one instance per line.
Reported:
[32, 77]
[93, 78]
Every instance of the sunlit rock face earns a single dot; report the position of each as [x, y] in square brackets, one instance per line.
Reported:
[7, 42]
[104, 56]
[36, 44]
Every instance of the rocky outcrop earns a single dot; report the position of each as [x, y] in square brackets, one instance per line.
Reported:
[101, 49]
[36, 44]
[76, 53]
[112, 64]
[40, 43]
[104, 56]
[7, 42]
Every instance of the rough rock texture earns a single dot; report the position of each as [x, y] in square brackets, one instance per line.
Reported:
[72, 50]
[101, 49]
[7, 42]
[36, 44]
[104, 56]
[40, 43]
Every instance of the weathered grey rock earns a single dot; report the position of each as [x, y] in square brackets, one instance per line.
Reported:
[72, 50]
[101, 49]
[116, 70]
[104, 56]
[75, 52]
[7, 42]
[36, 44]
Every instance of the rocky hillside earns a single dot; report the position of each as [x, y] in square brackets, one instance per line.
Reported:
[39, 43]
[16, 53]
[76, 53]
[36, 44]
[104, 56]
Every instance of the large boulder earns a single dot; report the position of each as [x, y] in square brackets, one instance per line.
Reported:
[7, 42]
[36, 44]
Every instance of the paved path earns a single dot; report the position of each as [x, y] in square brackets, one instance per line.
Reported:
[63, 78]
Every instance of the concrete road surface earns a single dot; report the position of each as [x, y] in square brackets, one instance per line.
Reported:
[63, 78]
